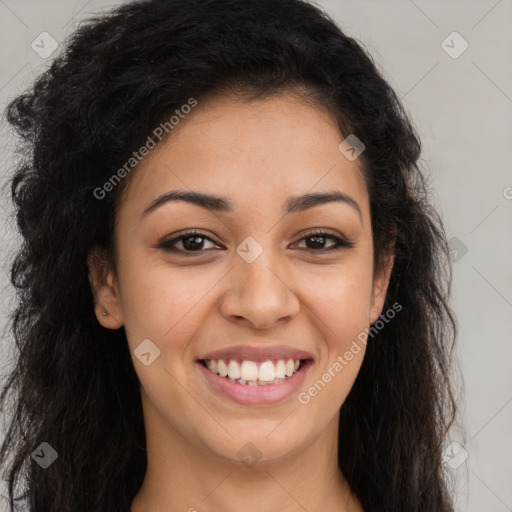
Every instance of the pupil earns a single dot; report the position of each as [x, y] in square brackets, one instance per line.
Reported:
[194, 245]
[318, 239]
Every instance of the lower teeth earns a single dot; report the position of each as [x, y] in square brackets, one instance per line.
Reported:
[256, 382]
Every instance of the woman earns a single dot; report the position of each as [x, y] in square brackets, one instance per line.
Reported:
[232, 287]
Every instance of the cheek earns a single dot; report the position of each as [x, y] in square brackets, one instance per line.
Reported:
[158, 301]
[341, 298]
[339, 304]
[166, 306]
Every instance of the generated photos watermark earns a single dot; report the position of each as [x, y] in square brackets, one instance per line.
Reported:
[137, 156]
[304, 397]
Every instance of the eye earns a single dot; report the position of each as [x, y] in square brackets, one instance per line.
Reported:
[319, 238]
[191, 241]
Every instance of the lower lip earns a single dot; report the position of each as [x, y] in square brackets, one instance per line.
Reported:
[256, 395]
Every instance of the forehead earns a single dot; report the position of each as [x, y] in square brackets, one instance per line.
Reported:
[256, 152]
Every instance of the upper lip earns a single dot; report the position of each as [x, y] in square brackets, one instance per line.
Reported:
[258, 353]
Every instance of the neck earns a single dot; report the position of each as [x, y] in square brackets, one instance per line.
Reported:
[186, 477]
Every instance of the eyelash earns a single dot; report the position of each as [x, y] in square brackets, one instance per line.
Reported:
[168, 245]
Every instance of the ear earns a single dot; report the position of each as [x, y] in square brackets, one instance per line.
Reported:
[381, 278]
[104, 289]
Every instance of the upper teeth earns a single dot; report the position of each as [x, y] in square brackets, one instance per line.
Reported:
[250, 371]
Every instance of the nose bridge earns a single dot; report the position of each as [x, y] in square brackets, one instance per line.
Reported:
[258, 290]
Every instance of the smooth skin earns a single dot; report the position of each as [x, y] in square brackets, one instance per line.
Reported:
[256, 154]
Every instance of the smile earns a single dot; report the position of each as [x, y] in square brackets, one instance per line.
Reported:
[265, 383]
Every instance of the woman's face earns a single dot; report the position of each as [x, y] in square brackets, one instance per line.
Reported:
[260, 288]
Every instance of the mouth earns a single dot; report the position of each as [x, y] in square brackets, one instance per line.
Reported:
[251, 382]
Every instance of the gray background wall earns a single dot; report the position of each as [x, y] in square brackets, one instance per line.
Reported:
[462, 107]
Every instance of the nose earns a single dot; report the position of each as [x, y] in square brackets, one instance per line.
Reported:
[259, 294]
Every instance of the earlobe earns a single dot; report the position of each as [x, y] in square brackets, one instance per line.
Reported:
[106, 296]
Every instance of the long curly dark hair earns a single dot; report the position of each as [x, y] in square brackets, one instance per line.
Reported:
[120, 75]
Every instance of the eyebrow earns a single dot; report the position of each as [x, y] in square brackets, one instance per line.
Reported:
[293, 204]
